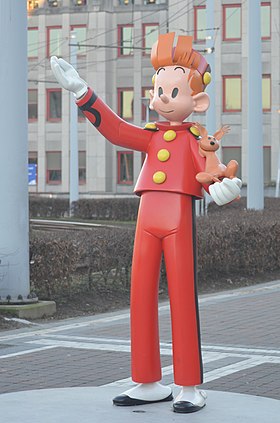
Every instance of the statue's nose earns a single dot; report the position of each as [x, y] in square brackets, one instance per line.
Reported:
[212, 143]
[164, 98]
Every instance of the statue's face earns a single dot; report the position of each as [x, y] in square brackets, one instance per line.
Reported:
[171, 97]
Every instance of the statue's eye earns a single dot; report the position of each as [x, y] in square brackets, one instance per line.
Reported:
[160, 91]
[209, 138]
[174, 92]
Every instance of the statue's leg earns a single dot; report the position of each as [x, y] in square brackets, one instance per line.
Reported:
[145, 353]
[180, 258]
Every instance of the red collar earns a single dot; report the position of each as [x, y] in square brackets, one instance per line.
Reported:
[165, 126]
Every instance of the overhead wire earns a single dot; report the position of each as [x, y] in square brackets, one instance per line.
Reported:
[83, 64]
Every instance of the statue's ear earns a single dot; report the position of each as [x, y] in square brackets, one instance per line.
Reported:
[201, 102]
[152, 93]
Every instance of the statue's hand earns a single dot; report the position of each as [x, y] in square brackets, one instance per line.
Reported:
[68, 77]
[226, 191]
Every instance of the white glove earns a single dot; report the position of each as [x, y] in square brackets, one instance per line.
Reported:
[226, 191]
[68, 77]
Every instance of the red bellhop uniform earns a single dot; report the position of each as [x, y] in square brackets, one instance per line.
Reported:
[166, 218]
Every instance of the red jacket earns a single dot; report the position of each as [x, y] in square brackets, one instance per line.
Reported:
[172, 160]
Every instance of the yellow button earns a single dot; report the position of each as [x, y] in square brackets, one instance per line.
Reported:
[194, 131]
[169, 135]
[159, 177]
[163, 155]
[207, 78]
[150, 125]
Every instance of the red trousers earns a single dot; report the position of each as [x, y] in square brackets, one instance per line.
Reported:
[165, 224]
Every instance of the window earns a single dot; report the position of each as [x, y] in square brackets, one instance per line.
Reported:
[125, 40]
[32, 168]
[82, 167]
[32, 42]
[81, 36]
[265, 20]
[199, 23]
[125, 103]
[266, 93]
[150, 36]
[125, 167]
[53, 167]
[232, 93]
[32, 105]
[232, 153]
[267, 164]
[231, 22]
[153, 116]
[54, 104]
[32, 4]
[54, 41]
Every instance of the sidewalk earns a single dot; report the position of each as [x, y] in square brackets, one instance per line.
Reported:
[240, 339]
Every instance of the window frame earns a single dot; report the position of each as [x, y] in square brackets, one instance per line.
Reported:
[120, 46]
[48, 181]
[196, 39]
[144, 26]
[267, 3]
[33, 28]
[49, 28]
[231, 6]
[48, 91]
[267, 76]
[119, 93]
[119, 153]
[225, 77]
[33, 119]
[72, 28]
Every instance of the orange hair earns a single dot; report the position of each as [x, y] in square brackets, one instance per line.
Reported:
[164, 54]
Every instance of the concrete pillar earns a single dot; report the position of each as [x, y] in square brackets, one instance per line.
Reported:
[255, 191]
[14, 242]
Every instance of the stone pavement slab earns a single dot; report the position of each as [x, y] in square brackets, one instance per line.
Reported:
[240, 345]
[88, 405]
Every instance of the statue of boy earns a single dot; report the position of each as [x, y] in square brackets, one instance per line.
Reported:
[167, 187]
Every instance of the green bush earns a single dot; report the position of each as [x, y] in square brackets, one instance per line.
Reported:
[122, 209]
[231, 242]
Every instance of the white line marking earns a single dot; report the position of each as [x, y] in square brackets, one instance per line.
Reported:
[27, 352]
[249, 351]
[91, 346]
[232, 368]
[122, 316]
[241, 349]
[211, 375]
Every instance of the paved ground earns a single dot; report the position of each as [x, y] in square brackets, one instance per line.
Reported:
[240, 337]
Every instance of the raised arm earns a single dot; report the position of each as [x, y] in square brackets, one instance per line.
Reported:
[111, 126]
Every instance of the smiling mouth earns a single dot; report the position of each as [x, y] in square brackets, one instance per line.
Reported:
[169, 111]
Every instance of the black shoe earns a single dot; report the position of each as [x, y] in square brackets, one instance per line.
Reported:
[186, 407]
[125, 400]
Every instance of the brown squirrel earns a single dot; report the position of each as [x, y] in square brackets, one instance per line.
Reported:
[215, 171]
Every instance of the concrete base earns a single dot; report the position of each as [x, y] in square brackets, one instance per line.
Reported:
[30, 311]
[89, 405]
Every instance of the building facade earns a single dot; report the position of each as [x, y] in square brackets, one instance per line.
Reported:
[114, 39]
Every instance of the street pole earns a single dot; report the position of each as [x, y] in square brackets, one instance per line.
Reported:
[211, 123]
[255, 188]
[14, 224]
[211, 112]
[74, 157]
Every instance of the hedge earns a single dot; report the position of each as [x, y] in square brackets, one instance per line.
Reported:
[122, 209]
[231, 242]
